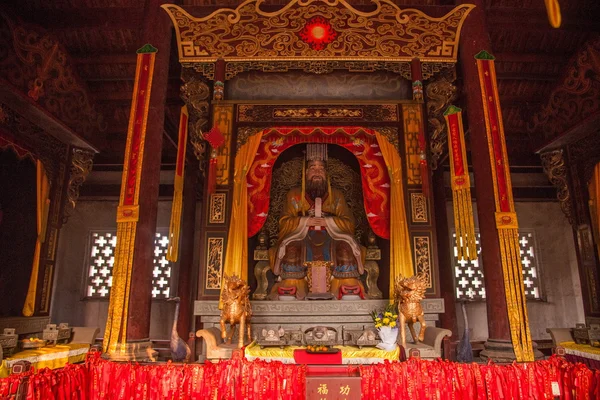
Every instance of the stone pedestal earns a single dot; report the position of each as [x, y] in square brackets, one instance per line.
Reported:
[502, 351]
[134, 350]
[301, 315]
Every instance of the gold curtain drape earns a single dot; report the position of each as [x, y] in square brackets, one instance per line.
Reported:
[236, 257]
[594, 194]
[401, 262]
[177, 206]
[43, 206]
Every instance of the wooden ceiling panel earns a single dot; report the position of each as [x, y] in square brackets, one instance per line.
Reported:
[105, 72]
[70, 4]
[548, 41]
[99, 41]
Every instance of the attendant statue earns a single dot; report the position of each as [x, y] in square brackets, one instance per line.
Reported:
[316, 224]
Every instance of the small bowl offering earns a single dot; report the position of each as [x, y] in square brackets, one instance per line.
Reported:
[32, 343]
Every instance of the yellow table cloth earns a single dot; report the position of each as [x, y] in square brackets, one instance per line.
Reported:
[50, 356]
[350, 354]
[581, 350]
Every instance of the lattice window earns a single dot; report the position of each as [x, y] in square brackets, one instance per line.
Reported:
[101, 260]
[468, 275]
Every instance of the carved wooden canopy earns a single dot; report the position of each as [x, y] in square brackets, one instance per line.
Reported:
[317, 30]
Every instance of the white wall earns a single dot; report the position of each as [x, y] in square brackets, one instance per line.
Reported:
[68, 300]
[562, 305]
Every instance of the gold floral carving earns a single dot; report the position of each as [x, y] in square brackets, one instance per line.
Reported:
[249, 33]
[316, 113]
[216, 213]
[422, 248]
[556, 170]
[316, 67]
[81, 166]
[440, 92]
[215, 247]
[411, 118]
[418, 203]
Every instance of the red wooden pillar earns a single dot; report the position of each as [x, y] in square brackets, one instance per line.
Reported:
[475, 38]
[188, 223]
[157, 31]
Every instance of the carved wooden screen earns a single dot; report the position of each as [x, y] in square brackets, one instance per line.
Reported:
[469, 278]
[102, 247]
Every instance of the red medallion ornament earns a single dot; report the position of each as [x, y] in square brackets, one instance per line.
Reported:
[318, 33]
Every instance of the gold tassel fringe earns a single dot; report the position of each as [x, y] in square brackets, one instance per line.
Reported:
[116, 326]
[464, 225]
[515, 294]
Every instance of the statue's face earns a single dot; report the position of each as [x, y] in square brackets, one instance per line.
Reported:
[315, 170]
[316, 179]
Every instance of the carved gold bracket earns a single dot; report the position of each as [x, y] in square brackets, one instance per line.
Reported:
[440, 93]
[555, 168]
[196, 93]
[81, 165]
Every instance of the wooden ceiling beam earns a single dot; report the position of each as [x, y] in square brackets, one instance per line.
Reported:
[125, 58]
[110, 18]
[521, 19]
[543, 58]
[526, 76]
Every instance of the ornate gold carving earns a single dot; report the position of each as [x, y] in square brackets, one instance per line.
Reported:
[575, 99]
[317, 113]
[195, 93]
[36, 64]
[215, 248]
[218, 204]
[555, 168]
[318, 67]
[418, 203]
[248, 33]
[246, 132]
[440, 92]
[223, 119]
[422, 248]
[390, 133]
[81, 166]
[411, 117]
[429, 70]
[289, 175]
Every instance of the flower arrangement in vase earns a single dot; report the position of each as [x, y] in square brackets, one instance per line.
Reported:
[386, 322]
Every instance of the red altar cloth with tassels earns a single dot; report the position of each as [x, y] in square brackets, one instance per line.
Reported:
[241, 379]
[361, 142]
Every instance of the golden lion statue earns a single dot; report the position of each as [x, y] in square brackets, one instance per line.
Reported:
[408, 293]
[236, 308]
